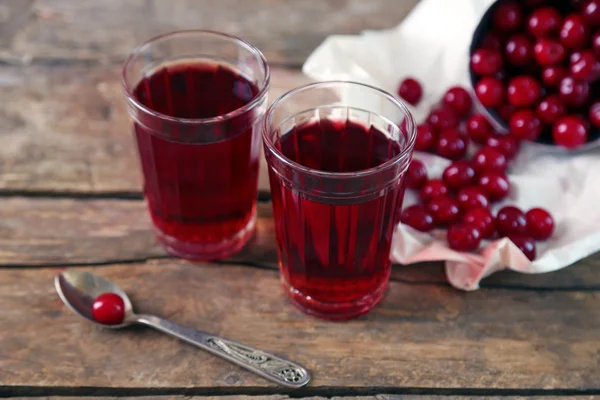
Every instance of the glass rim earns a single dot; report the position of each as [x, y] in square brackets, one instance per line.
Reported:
[256, 100]
[326, 174]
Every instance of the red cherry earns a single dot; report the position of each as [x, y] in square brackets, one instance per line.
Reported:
[489, 159]
[418, 217]
[482, 219]
[550, 109]
[426, 138]
[452, 145]
[540, 224]
[553, 75]
[524, 91]
[479, 128]
[445, 210]
[596, 43]
[486, 62]
[575, 56]
[548, 52]
[570, 132]
[519, 50]
[410, 90]
[495, 185]
[443, 118]
[458, 99]
[591, 12]
[458, 175]
[544, 22]
[508, 16]
[526, 244]
[492, 40]
[506, 111]
[505, 144]
[574, 93]
[472, 197]
[416, 176]
[490, 92]
[511, 220]
[463, 237]
[525, 125]
[586, 68]
[432, 189]
[574, 33]
[594, 114]
[108, 309]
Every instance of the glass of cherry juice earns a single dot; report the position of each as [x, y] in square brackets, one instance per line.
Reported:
[197, 99]
[337, 154]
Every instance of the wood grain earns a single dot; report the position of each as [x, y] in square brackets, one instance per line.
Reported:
[420, 336]
[66, 129]
[42, 232]
[285, 30]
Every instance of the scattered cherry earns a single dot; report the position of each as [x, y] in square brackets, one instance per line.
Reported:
[458, 99]
[411, 90]
[550, 109]
[451, 145]
[443, 118]
[591, 13]
[574, 33]
[108, 309]
[463, 237]
[506, 110]
[458, 175]
[505, 144]
[492, 40]
[544, 22]
[418, 217]
[575, 56]
[445, 210]
[553, 75]
[472, 197]
[518, 50]
[524, 91]
[482, 219]
[574, 93]
[508, 16]
[416, 176]
[586, 68]
[594, 114]
[489, 159]
[570, 132]
[426, 138]
[495, 184]
[525, 243]
[479, 128]
[548, 52]
[596, 43]
[525, 125]
[490, 92]
[511, 220]
[540, 224]
[432, 189]
[486, 62]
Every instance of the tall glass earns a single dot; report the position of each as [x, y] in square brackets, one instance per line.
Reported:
[197, 99]
[337, 154]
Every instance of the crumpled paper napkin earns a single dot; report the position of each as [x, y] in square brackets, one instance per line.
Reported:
[432, 45]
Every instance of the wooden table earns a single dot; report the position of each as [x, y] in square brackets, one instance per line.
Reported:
[70, 197]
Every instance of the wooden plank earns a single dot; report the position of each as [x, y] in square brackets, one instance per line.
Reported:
[418, 337]
[66, 129]
[38, 232]
[285, 30]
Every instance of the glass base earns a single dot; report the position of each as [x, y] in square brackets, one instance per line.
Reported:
[334, 311]
[196, 251]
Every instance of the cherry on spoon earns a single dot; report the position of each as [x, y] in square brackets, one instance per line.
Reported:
[79, 290]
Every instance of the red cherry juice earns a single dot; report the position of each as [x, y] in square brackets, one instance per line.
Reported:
[200, 182]
[335, 252]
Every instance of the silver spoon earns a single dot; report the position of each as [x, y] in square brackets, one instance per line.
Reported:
[79, 289]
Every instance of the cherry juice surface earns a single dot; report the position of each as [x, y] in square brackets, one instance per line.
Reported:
[334, 252]
[200, 194]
